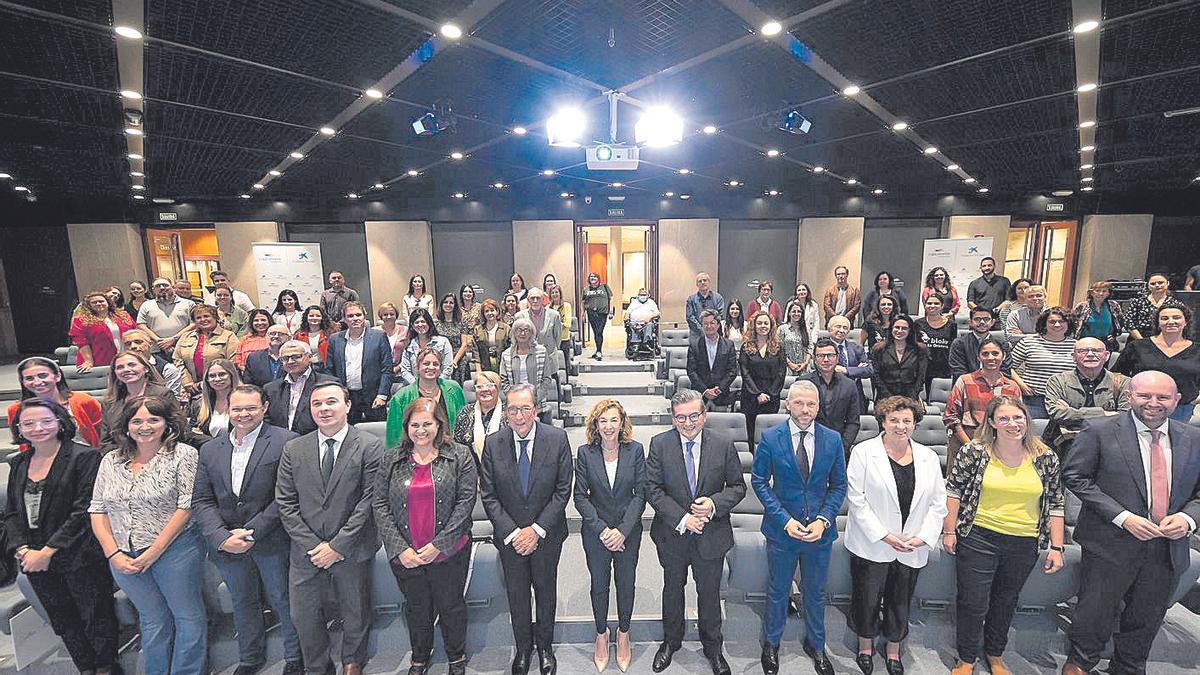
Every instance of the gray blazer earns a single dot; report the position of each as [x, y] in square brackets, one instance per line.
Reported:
[340, 514]
[549, 334]
[538, 367]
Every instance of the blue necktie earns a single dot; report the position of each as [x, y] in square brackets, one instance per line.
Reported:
[690, 458]
[523, 467]
[843, 359]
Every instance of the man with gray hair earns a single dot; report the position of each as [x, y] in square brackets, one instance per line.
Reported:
[287, 397]
[547, 323]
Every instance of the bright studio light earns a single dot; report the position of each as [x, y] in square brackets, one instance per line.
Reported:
[451, 31]
[566, 128]
[659, 127]
[771, 28]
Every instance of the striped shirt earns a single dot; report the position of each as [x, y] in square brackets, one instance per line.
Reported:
[1036, 360]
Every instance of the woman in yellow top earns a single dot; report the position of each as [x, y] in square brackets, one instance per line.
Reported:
[564, 310]
[1004, 500]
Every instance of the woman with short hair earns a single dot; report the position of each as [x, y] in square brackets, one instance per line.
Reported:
[1142, 310]
[232, 317]
[97, 331]
[1099, 316]
[1039, 357]
[525, 362]
[490, 337]
[1016, 298]
[482, 417]
[509, 307]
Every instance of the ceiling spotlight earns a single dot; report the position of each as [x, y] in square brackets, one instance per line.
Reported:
[734, 183]
[852, 90]
[968, 181]
[244, 196]
[133, 131]
[131, 95]
[451, 31]
[1062, 193]
[1086, 87]
[1085, 27]
[5, 176]
[659, 127]
[378, 186]
[877, 191]
[498, 185]
[772, 193]
[127, 32]
[899, 126]
[685, 196]
[456, 155]
[413, 172]
[1086, 179]
[520, 131]
[373, 93]
[851, 181]
[982, 190]
[930, 150]
[952, 167]
[772, 153]
[684, 172]
[352, 195]
[1087, 188]
[135, 187]
[709, 129]
[328, 131]
[1085, 167]
[565, 128]
[139, 196]
[771, 28]
[459, 195]
[1087, 124]
[296, 155]
[564, 195]
[21, 188]
[616, 185]
[275, 173]
[668, 194]
[257, 186]
[547, 172]
[1087, 148]
[133, 155]
[136, 174]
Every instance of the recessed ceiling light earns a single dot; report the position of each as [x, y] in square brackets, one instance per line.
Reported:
[1086, 26]
[685, 172]
[773, 193]
[668, 194]
[772, 153]
[458, 195]
[709, 129]
[877, 191]
[244, 196]
[274, 172]
[297, 155]
[131, 94]
[1197, 178]
[138, 187]
[413, 172]
[1062, 193]
[1086, 87]
[771, 28]
[564, 195]
[136, 174]
[734, 183]
[127, 32]
[520, 131]
[257, 186]
[373, 93]
[456, 155]
[968, 181]
[930, 150]
[952, 167]
[616, 185]
[498, 185]
[451, 31]
[133, 155]
[133, 131]
[139, 196]
[21, 188]
[1085, 167]
[1087, 148]
[852, 90]
[685, 196]
[328, 131]
[983, 190]
[5, 176]
[547, 172]
[1087, 124]
[818, 169]
[1087, 188]
[378, 186]
[1086, 179]
[352, 195]
[851, 181]
[899, 126]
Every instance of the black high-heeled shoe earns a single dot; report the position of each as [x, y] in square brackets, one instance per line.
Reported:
[419, 669]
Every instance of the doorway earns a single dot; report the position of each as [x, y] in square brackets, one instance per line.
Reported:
[1044, 251]
[185, 253]
[625, 256]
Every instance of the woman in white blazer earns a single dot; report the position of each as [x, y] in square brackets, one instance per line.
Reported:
[897, 500]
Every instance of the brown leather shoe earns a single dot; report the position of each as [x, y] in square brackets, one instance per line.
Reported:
[1072, 669]
[962, 668]
[351, 669]
[997, 667]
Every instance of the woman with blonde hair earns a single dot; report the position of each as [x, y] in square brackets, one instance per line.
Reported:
[482, 417]
[764, 369]
[201, 345]
[610, 469]
[1004, 503]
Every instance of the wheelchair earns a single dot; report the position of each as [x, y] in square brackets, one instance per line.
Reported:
[646, 345]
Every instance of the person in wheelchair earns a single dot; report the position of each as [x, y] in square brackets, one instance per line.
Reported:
[641, 326]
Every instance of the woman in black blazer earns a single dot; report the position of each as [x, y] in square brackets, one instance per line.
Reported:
[49, 489]
[900, 362]
[764, 369]
[610, 470]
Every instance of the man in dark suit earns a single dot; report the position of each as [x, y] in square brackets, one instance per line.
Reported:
[799, 476]
[234, 505]
[264, 366]
[524, 483]
[362, 360]
[840, 403]
[852, 359]
[324, 495]
[712, 361]
[1138, 475]
[693, 480]
[288, 396]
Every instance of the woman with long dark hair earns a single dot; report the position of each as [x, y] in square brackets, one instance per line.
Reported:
[812, 308]
[796, 339]
[451, 325]
[878, 323]
[1169, 350]
[137, 297]
[597, 303]
[131, 376]
[518, 288]
[287, 311]
[42, 378]
[937, 282]
[899, 362]
[884, 287]
[937, 332]
[764, 369]
[316, 330]
[733, 324]
[468, 306]
[1142, 310]
[208, 413]
[257, 323]
[422, 333]
[1016, 298]
[418, 296]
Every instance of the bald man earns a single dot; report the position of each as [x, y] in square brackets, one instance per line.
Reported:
[1138, 475]
[1078, 396]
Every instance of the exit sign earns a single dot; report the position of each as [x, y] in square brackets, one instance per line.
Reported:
[616, 213]
[168, 216]
[1054, 207]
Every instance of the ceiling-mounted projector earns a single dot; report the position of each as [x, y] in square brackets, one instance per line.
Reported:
[606, 157]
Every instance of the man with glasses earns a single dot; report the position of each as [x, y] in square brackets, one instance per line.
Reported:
[840, 404]
[263, 366]
[964, 351]
[525, 477]
[287, 397]
[167, 317]
[693, 480]
[1088, 392]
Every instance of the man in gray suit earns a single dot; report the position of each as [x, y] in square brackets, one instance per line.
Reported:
[1138, 475]
[324, 496]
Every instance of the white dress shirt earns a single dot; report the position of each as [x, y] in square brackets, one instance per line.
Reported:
[297, 389]
[241, 456]
[354, 360]
[517, 454]
[610, 468]
[683, 441]
[711, 345]
[1164, 440]
[339, 439]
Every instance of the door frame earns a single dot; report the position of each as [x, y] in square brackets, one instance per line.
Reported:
[1035, 250]
[581, 255]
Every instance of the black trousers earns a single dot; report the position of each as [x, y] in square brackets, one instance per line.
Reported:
[536, 573]
[603, 565]
[79, 604]
[1144, 585]
[880, 597]
[361, 410]
[751, 408]
[707, 575]
[991, 570]
[435, 593]
[598, 320]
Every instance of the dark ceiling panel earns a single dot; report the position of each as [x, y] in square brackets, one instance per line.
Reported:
[61, 104]
[57, 51]
[1141, 46]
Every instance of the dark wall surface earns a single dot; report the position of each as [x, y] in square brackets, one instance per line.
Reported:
[757, 250]
[477, 253]
[343, 248]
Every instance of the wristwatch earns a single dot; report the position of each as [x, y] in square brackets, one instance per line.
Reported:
[1056, 548]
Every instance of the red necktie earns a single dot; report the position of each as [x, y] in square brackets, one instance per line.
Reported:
[1159, 490]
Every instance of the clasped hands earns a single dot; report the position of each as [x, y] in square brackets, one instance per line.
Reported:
[1174, 526]
[324, 556]
[33, 560]
[702, 511]
[526, 541]
[612, 539]
[412, 559]
[902, 545]
[240, 540]
[806, 533]
[126, 565]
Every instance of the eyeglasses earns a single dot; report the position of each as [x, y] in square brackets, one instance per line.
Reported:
[292, 357]
[520, 409]
[693, 417]
[981, 319]
[29, 425]
[1090, 350]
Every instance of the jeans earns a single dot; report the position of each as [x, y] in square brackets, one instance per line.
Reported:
[242, 574]
[170, 608]
[991, 569]
[1037, 406]
[1183, 412]
[597, 320]
[642, 332]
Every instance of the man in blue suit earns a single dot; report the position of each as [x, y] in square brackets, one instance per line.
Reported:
[852, 360]
[799, 476]
[264, 366]
[362, 360]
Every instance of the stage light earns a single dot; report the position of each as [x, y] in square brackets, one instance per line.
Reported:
[709, 129]
[1087, 148]
[136, 174]
[1087, 188]
[565, 128]
[668, 194]
[772, 193]
[133, 131]
[451, 31]
[296, 155]
[684, 172]
[379, 186]
[135, 187]
[564, 195]
[852, 90]
[21, 188]
[127, 32]
[373, 93]
[1085, 167]
[734, 183]
[968, 181]
[795, 123]
[1086, 27]
[5, 176]
[428, 124]
[257, 186]
[685, 196]
[616, 185]
[244, 196]
[459, 195]
[983, 190]
[139, 197]
[1086, 179]
[659, 127]
[877, 191]
[498, 185]
[771, 28]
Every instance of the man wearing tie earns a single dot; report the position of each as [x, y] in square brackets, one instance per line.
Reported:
[693, 480]
[324, 496]
[1138, 475]
[234, 505]
[799, 476]
[524, 483]
[852, 359]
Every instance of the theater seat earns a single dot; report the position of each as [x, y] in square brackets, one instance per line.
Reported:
[385, 592]
[939, 390]
[730, 425]
[93, 382]
[376, 429]
[765, 422]
[747, 514]
[1043, 591]
[868, 427]
[674, 337]
[932, 433]
[748, 564]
